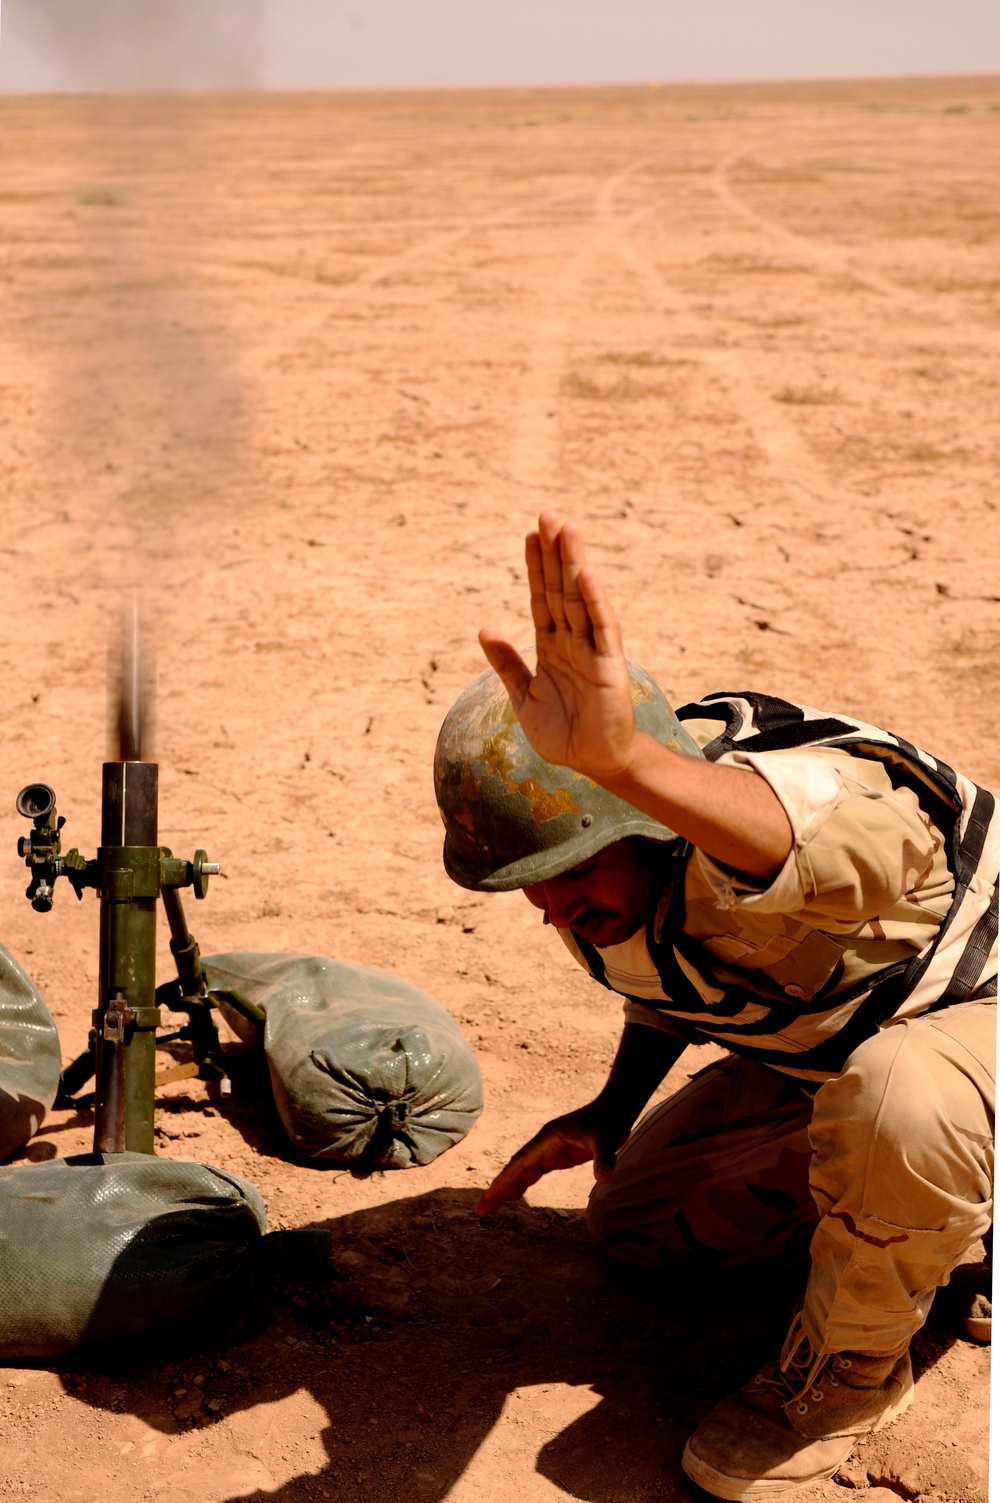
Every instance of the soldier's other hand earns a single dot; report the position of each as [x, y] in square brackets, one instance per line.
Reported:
[579, 1137]
[576, 709]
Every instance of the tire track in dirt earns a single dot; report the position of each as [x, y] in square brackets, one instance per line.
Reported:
[381, 272]
[831, 257]
[817, 251]
[535, 426]
[787, 456]
[534, 429]
[790, 465]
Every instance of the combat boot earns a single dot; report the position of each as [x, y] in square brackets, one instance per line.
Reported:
[797, 1420]
[974, 1292]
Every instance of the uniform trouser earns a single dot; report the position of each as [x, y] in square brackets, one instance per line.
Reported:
[886, 1173]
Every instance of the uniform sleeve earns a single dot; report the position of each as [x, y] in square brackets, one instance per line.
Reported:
[859, 845]
[646, 1014]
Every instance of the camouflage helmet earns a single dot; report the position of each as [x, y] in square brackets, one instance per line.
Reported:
[511, 819]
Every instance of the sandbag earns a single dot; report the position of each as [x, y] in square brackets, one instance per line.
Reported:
[30, 1057]
[366, 1070]
[126, 1248]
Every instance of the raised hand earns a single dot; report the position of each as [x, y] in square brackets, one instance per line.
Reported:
[576, 709]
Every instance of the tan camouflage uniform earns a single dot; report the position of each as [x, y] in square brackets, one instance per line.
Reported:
[886, 1164]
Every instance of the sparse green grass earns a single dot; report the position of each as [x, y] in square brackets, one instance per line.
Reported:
[641, 359]
[104, 195]
[584, 388]
[807, 396]
[857, 448]
[923, 453]
[773, 321]
[747, 263]
[952, 284]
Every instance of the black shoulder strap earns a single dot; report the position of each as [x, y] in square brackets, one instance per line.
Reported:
[760, 722]
[777, 724]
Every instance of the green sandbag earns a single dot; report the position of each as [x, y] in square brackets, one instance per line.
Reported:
[30, 1058]
[126, 1248]
[366, 1070]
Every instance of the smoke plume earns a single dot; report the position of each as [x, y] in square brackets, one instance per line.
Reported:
[97, 46]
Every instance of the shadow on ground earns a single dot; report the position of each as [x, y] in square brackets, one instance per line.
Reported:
[431, 1318]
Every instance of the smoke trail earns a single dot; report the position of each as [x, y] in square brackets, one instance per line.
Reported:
[84, 46]
[125, 335]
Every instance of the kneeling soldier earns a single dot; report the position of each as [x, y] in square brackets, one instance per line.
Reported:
[812, 893]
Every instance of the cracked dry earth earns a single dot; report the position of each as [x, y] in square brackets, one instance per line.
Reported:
[303, 369]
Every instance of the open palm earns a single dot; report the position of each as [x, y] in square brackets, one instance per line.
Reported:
[576, 709]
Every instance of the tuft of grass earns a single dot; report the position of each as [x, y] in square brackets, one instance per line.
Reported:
[954, 284]
[584, 388]
[751, 263]
[924, 453]
[773, 321]
[102, 194]
[806, 396]
[641, 359]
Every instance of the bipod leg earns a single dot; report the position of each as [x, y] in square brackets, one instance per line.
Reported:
[75, 1075]
[201, 1030]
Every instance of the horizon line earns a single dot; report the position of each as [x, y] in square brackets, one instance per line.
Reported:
[646, 84]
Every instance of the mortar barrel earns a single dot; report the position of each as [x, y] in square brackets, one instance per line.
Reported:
[129, 860]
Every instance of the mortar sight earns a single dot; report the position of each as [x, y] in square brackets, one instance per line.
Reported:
[36, 801]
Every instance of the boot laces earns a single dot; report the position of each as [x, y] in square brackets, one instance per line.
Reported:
[797, 1375]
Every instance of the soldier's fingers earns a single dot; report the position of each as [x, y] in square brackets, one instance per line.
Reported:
[540, 613]
[510, 1184]
[574, 559]
[603, 621]
[508, 663]
[549, 528]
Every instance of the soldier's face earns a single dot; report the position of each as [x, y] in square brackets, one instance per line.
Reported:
[603, 900]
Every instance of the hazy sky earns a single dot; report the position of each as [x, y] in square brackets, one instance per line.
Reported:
[52, 45]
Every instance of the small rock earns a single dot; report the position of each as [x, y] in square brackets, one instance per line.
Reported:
[190, 1405]
[851, 1475]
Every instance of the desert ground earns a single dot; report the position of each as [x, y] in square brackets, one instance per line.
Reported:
[302, 370]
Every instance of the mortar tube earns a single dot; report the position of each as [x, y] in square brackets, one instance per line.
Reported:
[128, 868]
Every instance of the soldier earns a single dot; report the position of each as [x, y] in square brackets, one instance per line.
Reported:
[814, 894]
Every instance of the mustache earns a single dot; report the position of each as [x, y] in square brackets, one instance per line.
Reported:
[587, 917]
